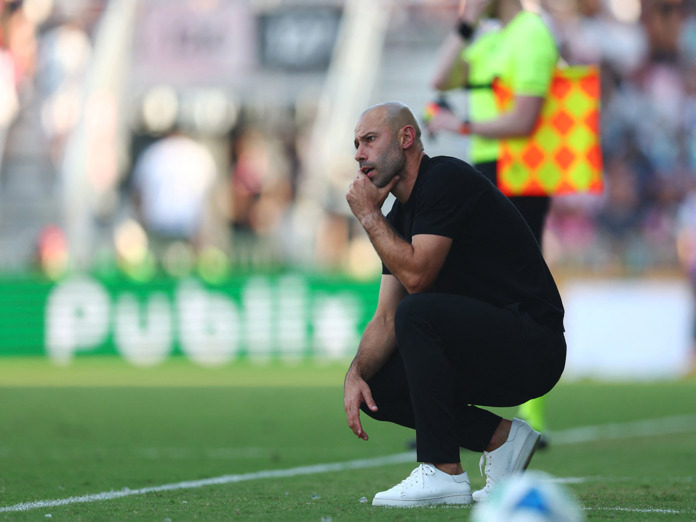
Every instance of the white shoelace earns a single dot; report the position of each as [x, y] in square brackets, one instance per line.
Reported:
[417, 475]
[487, 458]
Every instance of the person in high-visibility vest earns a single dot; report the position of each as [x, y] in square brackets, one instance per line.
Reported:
[521, 53]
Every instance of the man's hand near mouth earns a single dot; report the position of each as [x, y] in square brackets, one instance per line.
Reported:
[366, 198]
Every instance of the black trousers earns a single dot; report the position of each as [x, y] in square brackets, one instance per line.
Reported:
[533, 208]
[453, 353]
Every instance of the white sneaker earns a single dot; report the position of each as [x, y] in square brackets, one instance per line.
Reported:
[510, 458]
[424, 486]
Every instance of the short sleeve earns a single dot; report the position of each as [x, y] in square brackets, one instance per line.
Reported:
[534, 58]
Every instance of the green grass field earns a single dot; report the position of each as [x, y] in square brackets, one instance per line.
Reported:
[107, 441]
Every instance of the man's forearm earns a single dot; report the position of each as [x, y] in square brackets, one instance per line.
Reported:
[417, 264]
[517, 123]
[391, 248]
[376, 346]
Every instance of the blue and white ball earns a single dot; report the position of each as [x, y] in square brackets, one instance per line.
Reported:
[533, 496]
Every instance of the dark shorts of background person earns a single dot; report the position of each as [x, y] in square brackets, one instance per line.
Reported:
[455, 352]
[533, 208]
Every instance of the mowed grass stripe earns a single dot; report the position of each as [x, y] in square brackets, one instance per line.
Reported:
[648, 427]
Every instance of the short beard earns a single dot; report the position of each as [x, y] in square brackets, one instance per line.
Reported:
[393, 163]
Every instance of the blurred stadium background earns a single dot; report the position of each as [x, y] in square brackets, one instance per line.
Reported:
[173, 176]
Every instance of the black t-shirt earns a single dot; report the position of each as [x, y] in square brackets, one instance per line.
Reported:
[494, 256]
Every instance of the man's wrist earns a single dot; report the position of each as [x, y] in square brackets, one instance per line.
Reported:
[352, 371]
[369, 219]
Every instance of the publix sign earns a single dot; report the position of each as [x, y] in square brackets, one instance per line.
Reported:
[285, 317]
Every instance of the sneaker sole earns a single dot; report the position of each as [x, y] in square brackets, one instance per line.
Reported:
[392, 502]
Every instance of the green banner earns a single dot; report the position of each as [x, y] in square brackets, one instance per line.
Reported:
[260, 317]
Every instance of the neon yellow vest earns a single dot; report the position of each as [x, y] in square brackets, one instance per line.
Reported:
[522, 55]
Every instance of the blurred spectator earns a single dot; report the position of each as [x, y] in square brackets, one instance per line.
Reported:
[648, 118]
[593, 35]
[17, 47]
[52, 252]
[9, 104]
[687, 64]
[662, 21]
[646, 48]
[686, 248]
[620, 216]
[19, 38]
[132, 255]
[172, 182]
[64, 55]
[261, 191]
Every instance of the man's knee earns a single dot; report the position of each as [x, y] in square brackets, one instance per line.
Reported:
[412, 317]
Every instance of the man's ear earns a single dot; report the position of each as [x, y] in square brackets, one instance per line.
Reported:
[408, 136]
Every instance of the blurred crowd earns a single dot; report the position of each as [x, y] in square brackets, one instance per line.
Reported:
[227, 194]
[648, 61]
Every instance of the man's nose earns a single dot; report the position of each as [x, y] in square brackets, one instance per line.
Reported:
[359, 155]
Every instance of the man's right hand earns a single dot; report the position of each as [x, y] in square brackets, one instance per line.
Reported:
[355, 392]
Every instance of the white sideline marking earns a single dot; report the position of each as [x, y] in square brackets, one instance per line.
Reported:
[677, 424]
[637, 510]
[625, 430]
[399, 458]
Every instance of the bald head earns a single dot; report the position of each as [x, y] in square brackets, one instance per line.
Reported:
[394, 115]
[387, 143]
